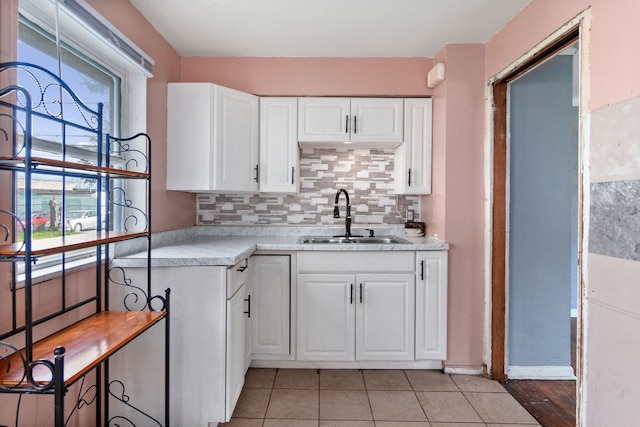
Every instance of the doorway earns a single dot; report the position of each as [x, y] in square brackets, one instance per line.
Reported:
[536, 226]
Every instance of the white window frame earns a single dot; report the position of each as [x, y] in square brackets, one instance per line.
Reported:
[79, 35]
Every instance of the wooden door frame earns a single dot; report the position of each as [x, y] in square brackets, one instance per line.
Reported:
[578, 29]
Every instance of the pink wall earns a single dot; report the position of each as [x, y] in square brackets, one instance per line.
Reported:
[313, 76]
[614, 67]
[171, 209]
[455, 209]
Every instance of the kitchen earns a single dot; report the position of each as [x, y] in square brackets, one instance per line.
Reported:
[456, 210]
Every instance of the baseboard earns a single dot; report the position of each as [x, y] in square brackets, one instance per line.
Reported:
[540, 373]
[457, 370]
[304, 364]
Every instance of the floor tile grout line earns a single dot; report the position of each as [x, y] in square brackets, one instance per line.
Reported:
[415, 394]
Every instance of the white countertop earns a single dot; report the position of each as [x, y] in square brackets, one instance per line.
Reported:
[212, 248]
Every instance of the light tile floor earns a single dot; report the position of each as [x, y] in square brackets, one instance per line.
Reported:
[374, 398]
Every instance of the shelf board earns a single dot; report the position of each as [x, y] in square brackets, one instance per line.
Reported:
[54, 245]
[16, 163]
[87, 343]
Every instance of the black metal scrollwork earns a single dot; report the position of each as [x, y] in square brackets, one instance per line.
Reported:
[116, 389]
[50, 94]
[5, 360]
[122, 146]
[137, 299]
[118, 197]
[85, 398]
[133, 299]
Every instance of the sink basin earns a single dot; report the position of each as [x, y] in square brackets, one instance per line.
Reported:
[383, 240]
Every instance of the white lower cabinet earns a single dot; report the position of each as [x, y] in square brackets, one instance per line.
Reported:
[431, 305]
[208, 343]
[271, 306]
[355, 316]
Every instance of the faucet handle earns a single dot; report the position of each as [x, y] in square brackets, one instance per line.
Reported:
[370, 232]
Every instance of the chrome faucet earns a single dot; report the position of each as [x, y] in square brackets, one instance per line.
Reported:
[336, 212]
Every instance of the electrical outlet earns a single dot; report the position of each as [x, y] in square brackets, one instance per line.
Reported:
[410, 215]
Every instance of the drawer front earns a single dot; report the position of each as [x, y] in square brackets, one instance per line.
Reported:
[237, 276]
[356, 262]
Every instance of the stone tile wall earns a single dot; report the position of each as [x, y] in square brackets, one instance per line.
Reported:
[366, 174]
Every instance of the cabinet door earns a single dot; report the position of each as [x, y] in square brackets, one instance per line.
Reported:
[431, 305]
[413, 158]
[326, 317]
[279, 145]
[270, 305]
[235, 371]
[385, 316]
[323, 119]
[376, 120]
[236, 152]
[190, 132]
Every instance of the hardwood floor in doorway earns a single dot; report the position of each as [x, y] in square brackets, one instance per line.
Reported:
[551, 403]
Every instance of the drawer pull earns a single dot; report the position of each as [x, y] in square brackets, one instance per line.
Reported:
[361, 293]
[243, 268]
[351, 295]
[248, 300]
[422, 270]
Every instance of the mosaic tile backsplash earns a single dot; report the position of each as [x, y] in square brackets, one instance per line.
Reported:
[366, 174]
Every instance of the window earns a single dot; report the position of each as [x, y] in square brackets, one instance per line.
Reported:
[96, 72]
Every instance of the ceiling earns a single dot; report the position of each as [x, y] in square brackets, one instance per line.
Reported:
[325, 28]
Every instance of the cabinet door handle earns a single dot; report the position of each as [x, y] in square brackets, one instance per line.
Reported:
[293, 170]
[409, 177]
[243, 268]
[346, 124]
[257, 169]
[355, 124]
[361, 293]
[248, 300]
[351, 294]
[422, 270]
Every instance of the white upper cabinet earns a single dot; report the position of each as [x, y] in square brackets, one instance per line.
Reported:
[375, 122]
[279, 153]
[413, 158]
[212, 139]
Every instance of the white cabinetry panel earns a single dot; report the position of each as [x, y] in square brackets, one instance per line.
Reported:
[359, 120]
[279, 153]
[326, 317]
[270, 306]
[413, 158]
[431, 305]
[212, 138]
[385, 317]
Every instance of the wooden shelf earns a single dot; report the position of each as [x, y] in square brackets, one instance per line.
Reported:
[55, 245]
[87, 343]
[17, 163]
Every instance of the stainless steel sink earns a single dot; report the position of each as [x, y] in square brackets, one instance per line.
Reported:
[382, 240]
